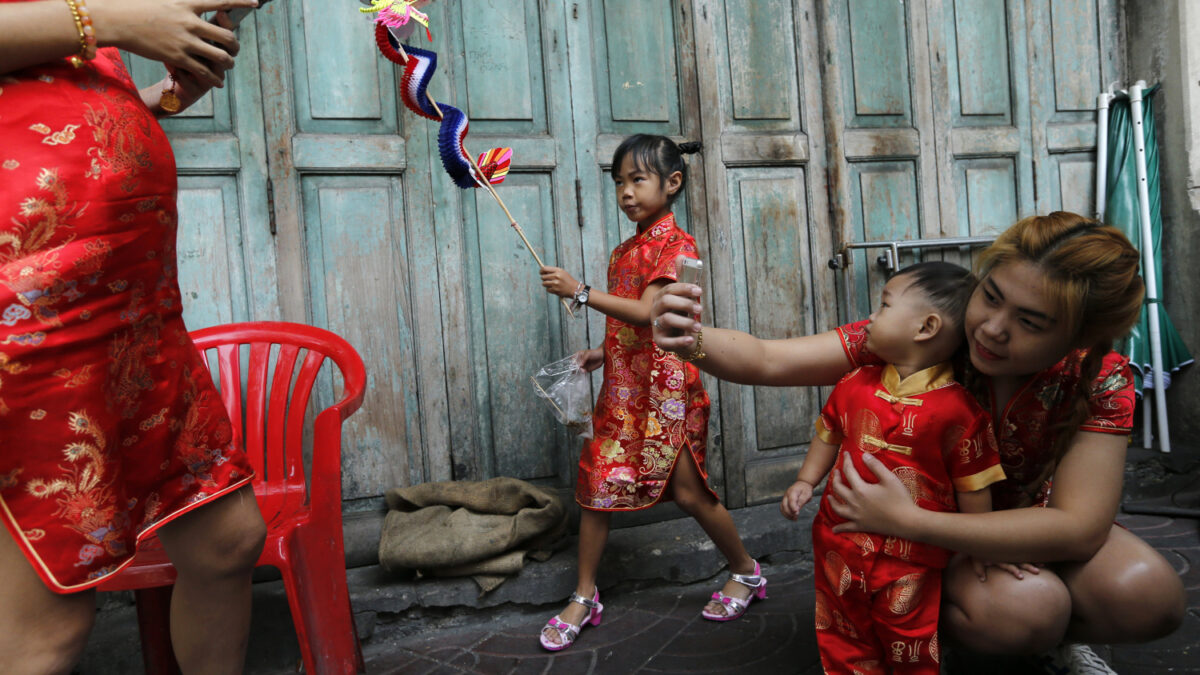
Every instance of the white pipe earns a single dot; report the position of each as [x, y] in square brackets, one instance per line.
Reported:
[1148, 272]
[1102, 102]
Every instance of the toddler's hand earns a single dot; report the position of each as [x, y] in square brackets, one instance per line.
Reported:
[795, 498]
[556, 281]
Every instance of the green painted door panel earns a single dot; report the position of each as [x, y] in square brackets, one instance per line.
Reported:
[226, 253]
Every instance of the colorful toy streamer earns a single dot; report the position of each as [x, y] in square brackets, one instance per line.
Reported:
[450, 146]
[399, 16]
[494, 164]
[419, 66]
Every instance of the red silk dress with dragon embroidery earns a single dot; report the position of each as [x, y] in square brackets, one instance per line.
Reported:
[109, 421]
[652, 404]
[878, 597]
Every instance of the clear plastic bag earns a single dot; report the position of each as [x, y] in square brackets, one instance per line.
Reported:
[566, 386]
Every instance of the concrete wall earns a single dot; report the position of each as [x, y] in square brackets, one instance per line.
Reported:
[1163, 45]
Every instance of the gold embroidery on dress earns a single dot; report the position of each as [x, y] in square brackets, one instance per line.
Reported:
[118, 146]
[63, 137]
[904, 594]
[824, 618]
[75, 379]
[12, 368]
[29, 253]
[131, 353]
[866, 424]
[837, 573]
[867, 667]
[85, 499]
[866, 545]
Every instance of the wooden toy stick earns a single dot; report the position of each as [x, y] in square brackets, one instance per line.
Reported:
[479, 174]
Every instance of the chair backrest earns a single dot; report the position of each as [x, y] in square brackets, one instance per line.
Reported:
[269, 422]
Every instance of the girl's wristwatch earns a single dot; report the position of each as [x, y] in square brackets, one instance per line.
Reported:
[581, 295]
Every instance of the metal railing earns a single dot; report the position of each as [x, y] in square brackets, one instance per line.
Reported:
[889, 259]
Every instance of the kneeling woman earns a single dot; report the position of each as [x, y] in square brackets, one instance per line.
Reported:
[1055, 292]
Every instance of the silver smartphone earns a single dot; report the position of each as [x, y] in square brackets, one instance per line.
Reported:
[689, 271]
[238, 14]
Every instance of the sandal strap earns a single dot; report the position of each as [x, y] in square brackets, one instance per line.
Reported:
[586, 602]
[739, 605]
[567, 632]
[750, 580]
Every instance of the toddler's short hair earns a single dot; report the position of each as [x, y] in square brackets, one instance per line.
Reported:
[947, 286]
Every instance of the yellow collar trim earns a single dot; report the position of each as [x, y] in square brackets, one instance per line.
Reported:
[920, 382]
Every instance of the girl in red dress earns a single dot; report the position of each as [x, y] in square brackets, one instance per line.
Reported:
[110, 427]
[651, 420]
[1055, 292]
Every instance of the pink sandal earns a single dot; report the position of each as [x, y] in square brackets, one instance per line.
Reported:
[736, 607]
[567, 632]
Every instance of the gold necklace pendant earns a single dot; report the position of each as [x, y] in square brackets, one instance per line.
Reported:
[169, 102]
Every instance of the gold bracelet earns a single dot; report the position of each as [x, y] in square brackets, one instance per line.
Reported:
[698, 352]
[87, 34]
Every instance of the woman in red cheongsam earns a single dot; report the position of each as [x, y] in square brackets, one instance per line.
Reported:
[110, 427]
[1055, 292]
[651, 420]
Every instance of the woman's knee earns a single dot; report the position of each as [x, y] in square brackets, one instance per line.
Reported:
[1004, 614]
[225, 541]
[1139, 600]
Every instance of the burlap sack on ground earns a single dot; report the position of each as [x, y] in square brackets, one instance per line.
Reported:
[482, 529]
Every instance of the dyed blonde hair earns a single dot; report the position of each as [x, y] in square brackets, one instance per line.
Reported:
[1091, 277]
[1091, 270]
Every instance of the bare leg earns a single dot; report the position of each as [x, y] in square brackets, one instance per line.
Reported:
[40, 630]
[214, 548]
[593, 536]
[1003, 615]
[1127, 592]
[689, 492]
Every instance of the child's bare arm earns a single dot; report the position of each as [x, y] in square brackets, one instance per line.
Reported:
[634, 312]
[816, 466]
[978, 501]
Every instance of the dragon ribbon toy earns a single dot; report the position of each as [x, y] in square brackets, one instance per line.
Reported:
[395, 21]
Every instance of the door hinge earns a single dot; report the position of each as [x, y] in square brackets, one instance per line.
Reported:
[579, 203]
[271, 204]
[1035, 186]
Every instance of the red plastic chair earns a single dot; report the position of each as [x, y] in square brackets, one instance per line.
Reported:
[304, 520]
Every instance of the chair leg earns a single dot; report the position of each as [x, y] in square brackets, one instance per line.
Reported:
[154, 626]
[315, 579]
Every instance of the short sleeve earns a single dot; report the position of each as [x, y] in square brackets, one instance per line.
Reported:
[677, 243]
[830, 426]
[974, 456]
[1112, 400]
[854, 343]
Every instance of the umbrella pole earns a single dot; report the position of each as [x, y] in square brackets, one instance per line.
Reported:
[1148, 271]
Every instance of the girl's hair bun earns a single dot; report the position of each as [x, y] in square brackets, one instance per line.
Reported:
[690, 147]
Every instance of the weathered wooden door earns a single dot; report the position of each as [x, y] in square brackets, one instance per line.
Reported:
[956, 117]
[765, 199]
